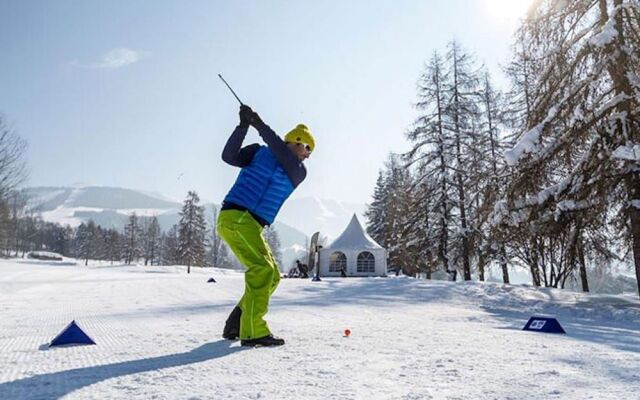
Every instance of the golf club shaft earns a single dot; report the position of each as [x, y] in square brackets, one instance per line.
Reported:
[234, 93]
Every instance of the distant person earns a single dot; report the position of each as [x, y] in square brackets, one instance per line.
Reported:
[268, 176]
[343, 272]
[303, 269]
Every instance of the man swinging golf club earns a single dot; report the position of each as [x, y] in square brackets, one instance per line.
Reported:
[268, 176]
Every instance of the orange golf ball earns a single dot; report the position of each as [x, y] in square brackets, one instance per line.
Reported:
[347, 332]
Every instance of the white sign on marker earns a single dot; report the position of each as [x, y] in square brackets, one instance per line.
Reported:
[537, 324]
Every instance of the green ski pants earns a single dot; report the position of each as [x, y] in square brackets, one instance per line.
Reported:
[243, 234]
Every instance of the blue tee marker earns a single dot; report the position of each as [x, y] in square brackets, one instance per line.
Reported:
[545, 324]
[72, 334]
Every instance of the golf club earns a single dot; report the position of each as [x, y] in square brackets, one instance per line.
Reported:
[234, 93]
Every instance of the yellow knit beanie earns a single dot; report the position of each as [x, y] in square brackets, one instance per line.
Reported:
[300, 134]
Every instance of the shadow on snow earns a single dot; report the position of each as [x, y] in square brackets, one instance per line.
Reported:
[59, 384]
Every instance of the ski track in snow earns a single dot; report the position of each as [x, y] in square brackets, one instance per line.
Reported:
[158, 337]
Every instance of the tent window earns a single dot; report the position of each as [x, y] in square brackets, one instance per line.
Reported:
[337, 261]
[366, 262]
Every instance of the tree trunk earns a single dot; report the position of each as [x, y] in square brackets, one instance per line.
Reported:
[620, 73]
[635, 231]
[503, 263]
[583, 269]
[481, 263]
[535, 274]
[466, 265]
[632, 182]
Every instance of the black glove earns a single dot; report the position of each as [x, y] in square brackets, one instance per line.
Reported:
[246, 114]
[256, 121]
[250, 117]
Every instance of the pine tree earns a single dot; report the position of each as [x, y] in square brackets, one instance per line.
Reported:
[377, 211]
[388, 214]
[113, 245]
[462, 112]
[97, 241]
[192, 232]
[420, 238]
[489, 179]
[5, 231]
[433, 153]
[132, 243]
[273, 240]
[218, 253]
[83, 242]
[151, 240]
[399, 201]
[170, 254]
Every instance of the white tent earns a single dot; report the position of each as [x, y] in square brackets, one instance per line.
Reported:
[355, 252]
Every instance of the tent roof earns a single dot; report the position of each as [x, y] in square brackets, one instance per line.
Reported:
[354, 237]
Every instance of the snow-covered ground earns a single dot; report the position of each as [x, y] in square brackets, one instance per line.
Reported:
[158, 337]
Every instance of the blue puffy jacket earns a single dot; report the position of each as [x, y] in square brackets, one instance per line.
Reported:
[262, 186]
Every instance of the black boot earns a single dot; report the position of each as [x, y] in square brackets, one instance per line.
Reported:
[266, 341]
[232, 326]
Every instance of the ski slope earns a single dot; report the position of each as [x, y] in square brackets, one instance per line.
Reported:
[158, 337]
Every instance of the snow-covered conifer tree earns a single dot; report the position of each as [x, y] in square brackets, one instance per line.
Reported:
[132, 241]
[113, 246]
[488, 180]
[83, 242]
[434, 153]
[170, 254]
[461, 112]
[218, 253]
[151, 240]
[192, 232]
[273, 239]
[376, 211]
[388, 214]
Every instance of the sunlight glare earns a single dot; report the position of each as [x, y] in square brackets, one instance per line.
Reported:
[507, 9]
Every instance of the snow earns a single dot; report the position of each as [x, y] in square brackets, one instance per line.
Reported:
[67, 216]
[144, 212]
[158, 329]
[629, 152]
[46, 255]
[529, 141]
[606, 36]
[64, 215]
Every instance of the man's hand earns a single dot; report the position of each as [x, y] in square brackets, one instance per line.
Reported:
[249, 117]
[246, 113]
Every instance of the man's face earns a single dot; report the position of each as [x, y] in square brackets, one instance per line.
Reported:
[301, 150]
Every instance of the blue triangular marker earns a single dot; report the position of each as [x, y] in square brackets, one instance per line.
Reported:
[541, 323]
[72, 334]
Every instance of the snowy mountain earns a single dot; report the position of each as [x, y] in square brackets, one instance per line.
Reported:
[107, 206]
[110, 207]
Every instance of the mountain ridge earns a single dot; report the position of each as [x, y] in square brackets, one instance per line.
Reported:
[110, 207]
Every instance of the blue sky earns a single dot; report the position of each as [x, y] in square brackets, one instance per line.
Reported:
[126, 93]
